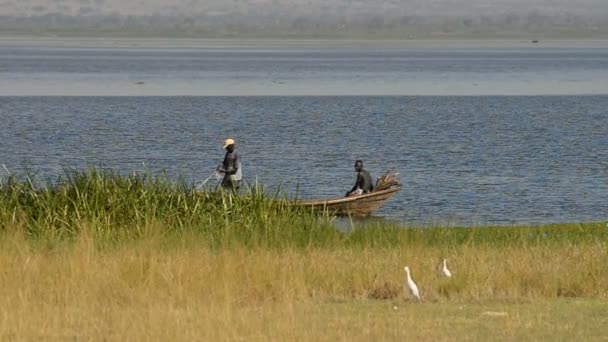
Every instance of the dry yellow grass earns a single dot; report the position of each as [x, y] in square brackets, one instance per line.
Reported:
[147, 290]
[103, 257]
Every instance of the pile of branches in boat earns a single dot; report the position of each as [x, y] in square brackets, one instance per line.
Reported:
[387, 181]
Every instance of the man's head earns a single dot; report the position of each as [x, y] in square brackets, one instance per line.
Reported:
[229, 144]
[358, 165]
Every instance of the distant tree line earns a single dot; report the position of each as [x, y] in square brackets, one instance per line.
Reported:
[263, 24]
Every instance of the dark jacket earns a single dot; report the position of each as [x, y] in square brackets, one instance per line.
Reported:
[230, 167]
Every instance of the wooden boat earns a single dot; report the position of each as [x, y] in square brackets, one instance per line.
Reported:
[361, 205]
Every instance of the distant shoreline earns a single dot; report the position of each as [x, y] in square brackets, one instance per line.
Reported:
[161, 42]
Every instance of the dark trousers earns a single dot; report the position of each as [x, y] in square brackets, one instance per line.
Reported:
[228, 183]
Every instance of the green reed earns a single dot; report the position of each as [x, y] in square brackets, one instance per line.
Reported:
[114, 207]
[118, 206]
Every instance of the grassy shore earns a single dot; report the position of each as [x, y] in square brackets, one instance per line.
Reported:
[100, 256]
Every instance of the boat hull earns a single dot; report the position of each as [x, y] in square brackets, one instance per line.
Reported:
[362, 205]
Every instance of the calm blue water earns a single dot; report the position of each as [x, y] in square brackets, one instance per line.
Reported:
[463, 160]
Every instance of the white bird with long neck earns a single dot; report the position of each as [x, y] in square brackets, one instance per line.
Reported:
[445, 271]
[411, 285]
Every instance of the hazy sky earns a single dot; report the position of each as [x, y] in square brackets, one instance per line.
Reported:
[346, 7]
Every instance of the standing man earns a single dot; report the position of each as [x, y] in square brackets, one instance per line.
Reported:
[363, 184]
[231, 167]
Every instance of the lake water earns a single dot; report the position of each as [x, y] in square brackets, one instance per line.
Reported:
[464, 160]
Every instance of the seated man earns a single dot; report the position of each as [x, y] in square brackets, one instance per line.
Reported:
[363, 184]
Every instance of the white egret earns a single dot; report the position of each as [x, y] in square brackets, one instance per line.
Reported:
[411, 285]
[445, 271]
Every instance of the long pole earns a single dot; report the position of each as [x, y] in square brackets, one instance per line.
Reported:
[206, 180]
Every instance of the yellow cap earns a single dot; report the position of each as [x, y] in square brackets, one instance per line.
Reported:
[228, 142]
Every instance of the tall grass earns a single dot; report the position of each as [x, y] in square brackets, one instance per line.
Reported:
[122, 207]
[95, 255]
[116, 208]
